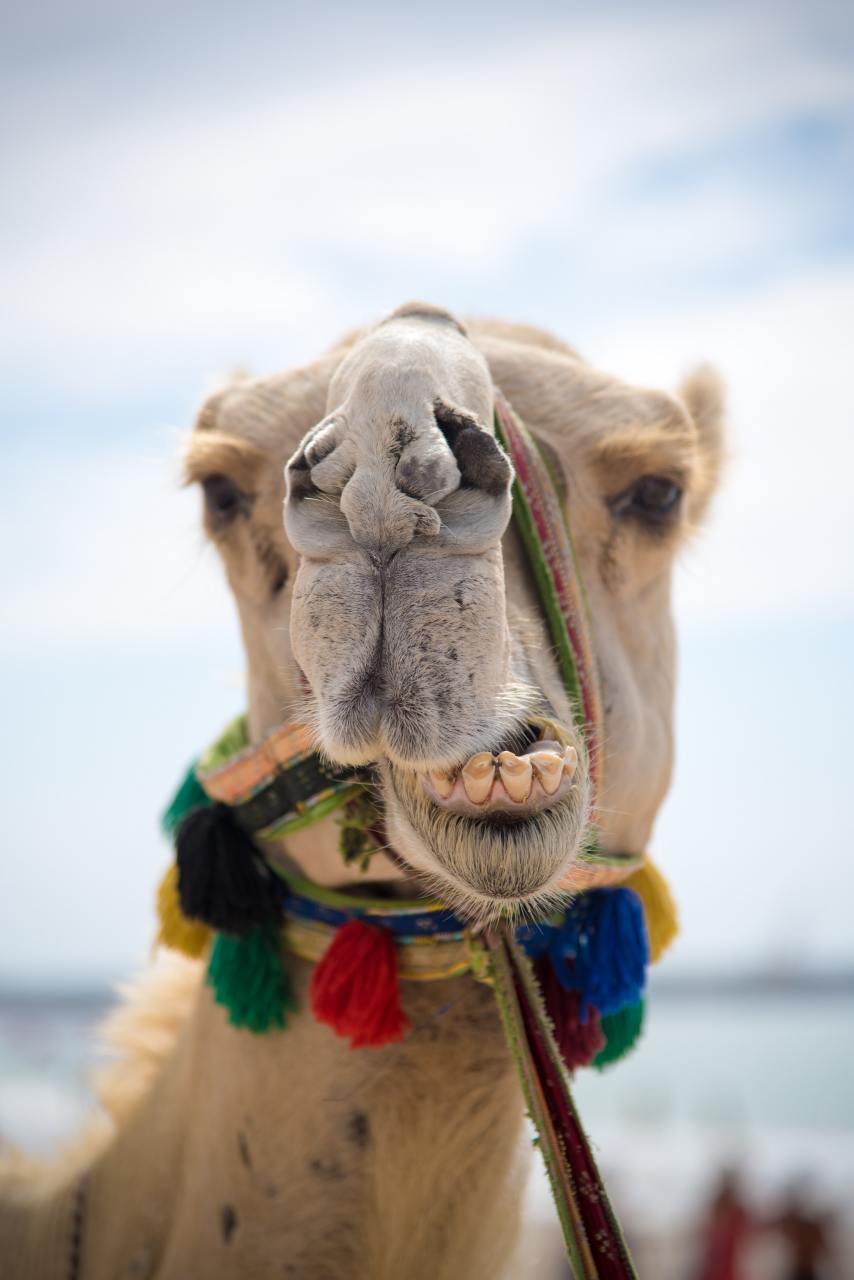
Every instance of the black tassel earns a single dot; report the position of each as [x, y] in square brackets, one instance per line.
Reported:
[221, 877]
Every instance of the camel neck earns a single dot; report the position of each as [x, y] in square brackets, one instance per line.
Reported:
[294, 1150]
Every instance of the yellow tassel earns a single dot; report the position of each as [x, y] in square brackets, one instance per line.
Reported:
[176, 931]
[662, 921]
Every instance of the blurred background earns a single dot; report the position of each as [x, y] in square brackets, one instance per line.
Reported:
[190, 189]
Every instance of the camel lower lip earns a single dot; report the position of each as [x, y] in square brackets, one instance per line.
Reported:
[497, 855]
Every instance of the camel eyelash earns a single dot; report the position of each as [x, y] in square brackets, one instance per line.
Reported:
[653, 500]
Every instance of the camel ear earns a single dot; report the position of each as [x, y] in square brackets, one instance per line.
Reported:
[702, 393]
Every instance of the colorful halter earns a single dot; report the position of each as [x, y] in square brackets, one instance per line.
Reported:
[541, 521]
[569, 988]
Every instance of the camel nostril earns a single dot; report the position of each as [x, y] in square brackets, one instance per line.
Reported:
[481, 461]
[427, 470]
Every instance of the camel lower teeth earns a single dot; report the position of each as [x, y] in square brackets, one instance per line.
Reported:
[549, 768]
[443, 783]
[516, 774]
[478, 777]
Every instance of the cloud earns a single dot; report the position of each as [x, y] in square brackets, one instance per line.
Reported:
[243, 218]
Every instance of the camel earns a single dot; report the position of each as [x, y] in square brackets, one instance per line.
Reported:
[393, 610]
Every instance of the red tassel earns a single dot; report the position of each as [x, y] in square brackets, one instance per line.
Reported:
[578, 1042]
[354, 988]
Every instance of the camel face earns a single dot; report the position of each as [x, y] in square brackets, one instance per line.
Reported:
[395, 611]
[397, 503]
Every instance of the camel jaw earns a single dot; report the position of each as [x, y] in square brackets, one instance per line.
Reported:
[497, 835]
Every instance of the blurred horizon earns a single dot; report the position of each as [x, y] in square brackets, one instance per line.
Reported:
[195, 190]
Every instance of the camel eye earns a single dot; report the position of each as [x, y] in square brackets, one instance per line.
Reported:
[652, 499]
[223, 500]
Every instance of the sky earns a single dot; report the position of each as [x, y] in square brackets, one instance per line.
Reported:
[193, 189]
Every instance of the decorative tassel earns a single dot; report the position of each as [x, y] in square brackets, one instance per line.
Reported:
[247, 977]
[354, 988]
[176, 931]
[190, 795]
[536, 939]
[579, 1042]
[662, 919]
[221, 877]
[621, 1030]
[601, 950]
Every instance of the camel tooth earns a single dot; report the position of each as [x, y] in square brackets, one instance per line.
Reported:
[478, 776]
[549, 769]
[570, 760]
[516, 774]
[442, 782]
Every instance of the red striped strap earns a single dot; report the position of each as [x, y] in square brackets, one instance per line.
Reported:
[594, 1241]
[541, 521]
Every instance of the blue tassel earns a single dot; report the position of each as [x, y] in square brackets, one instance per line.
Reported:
[535, 939]
[600, 950]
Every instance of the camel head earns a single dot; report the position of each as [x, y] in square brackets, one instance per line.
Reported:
[394, 610]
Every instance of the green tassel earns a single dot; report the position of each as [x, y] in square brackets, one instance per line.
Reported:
[189, 795]
[621, 1030]
[247, 977]
[356, 843]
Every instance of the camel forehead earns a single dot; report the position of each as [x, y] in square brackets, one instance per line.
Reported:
[399, 369]
[383, 447]
[383, 375]
[594, 404]
[403, 362]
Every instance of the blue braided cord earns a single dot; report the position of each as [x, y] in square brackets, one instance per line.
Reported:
[412, 924]
[598, 947]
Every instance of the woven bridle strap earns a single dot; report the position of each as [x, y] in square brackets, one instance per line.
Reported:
[541, 520]
[281, 785]
[594, 1242]
[277, 786]
[591, 1230]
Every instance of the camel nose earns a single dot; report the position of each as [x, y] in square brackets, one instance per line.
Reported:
[381, 518]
